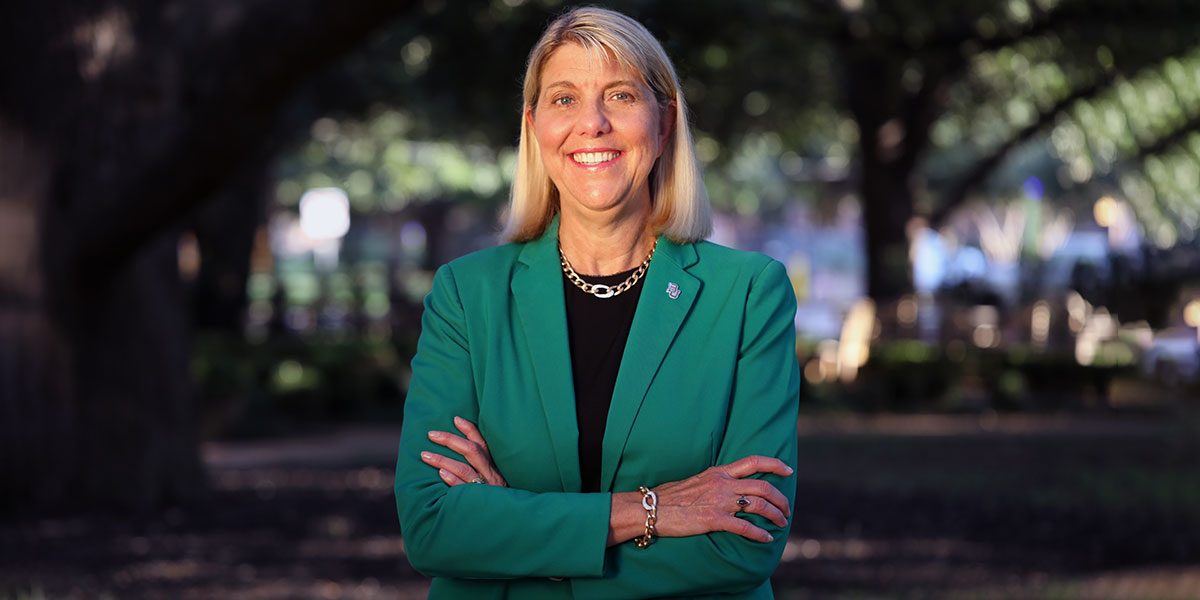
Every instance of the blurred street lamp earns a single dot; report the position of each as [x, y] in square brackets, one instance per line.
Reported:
[1105, 211]
[324, 213]
[1113, 215]
[1191, 316]
[1040, 323]
[325, 219]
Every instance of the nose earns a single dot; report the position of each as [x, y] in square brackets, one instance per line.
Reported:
[592, 120]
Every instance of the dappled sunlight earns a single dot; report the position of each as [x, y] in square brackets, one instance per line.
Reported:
[854, 345]
[1005, 504]
[890, 550]
[220, 223]
[104, 42]
[306, 517]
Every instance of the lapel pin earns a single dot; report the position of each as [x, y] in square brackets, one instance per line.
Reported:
[673, 290]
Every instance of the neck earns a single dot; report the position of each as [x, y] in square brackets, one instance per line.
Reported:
[599, 246]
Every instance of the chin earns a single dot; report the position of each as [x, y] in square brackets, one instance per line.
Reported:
[604, 204]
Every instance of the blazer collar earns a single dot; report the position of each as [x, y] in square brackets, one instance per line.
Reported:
[668, 293]
[538, 294]
[667, 297]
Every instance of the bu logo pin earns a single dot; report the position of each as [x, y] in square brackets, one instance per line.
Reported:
[672, 290]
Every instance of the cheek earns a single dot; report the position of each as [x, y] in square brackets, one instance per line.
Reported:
[550, 136]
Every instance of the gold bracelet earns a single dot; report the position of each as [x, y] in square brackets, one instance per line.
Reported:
[650, 503]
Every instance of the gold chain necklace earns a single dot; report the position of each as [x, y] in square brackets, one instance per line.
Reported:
[600, 290]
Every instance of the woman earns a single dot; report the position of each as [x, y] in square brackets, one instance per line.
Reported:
[604, 408]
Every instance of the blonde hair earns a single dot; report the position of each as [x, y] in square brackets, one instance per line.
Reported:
[680, 204]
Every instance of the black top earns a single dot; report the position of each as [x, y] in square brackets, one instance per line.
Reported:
[597, 329]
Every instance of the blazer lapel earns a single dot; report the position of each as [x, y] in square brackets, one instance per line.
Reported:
[666, 299]
[538, 293]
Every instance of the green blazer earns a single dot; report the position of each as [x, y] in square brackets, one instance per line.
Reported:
[709, 375]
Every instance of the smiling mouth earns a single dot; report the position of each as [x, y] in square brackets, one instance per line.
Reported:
[591, 159]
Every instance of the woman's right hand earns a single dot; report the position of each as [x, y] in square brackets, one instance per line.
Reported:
[708, 502]
[479, 467]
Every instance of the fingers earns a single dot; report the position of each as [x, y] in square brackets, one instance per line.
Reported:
[766, 491]
[745, 467]
[475, 453]
[473, 448]
[743, 528]
[451, 471]
[759, 506]
[468, 429]
[450, 478]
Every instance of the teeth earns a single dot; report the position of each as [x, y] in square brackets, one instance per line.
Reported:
[594, 158]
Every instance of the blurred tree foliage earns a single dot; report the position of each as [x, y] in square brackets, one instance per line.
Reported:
[266, 388]
[916, 106]
[120, 121]
[123, 122]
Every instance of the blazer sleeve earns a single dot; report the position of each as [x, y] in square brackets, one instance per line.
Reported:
[762, 420]
[479, 531]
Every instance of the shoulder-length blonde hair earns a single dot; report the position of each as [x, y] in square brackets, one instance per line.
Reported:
[681, 209]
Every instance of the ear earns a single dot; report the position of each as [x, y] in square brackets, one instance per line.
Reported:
[666, 125]
[529, 115]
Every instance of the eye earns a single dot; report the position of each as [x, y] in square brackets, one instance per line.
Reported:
[563, 101]
[622, 96]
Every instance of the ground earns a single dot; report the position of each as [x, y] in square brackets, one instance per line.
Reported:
[899, 506]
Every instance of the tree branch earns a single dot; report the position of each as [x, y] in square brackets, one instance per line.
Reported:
[222, 77]
[985, 167]
[1176, 137]
[1073, 15]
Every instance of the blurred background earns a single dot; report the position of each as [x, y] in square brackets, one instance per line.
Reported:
[218, 220]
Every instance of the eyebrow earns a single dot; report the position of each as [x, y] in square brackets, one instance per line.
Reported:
[611, 84]
[624, 82]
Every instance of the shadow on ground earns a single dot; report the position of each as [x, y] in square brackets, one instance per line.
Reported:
[910, 507]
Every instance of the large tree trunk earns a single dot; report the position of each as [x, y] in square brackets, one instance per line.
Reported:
[225, 232]
[887, 209]
[894, 120]
[886, 174]
[136, 424]
[117, 120]
[36, 415]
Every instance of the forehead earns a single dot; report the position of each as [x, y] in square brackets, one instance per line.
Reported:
[572, 63]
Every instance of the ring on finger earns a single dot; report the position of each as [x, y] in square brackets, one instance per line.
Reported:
[480, 479]
[742, 502]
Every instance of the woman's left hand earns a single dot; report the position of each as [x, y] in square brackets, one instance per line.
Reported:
[478, 468]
